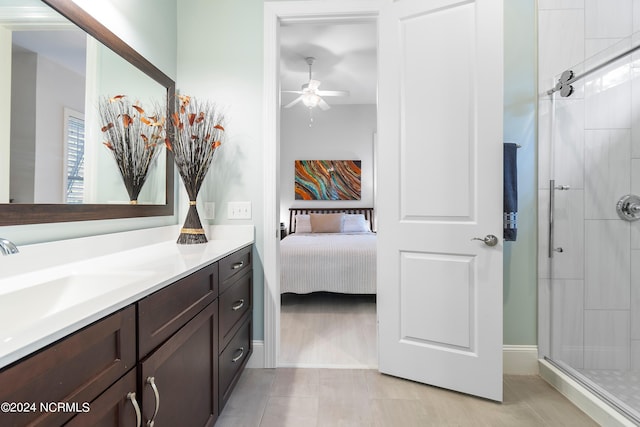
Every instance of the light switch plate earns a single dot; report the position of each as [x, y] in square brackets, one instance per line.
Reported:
[239, 210]
[209, 210]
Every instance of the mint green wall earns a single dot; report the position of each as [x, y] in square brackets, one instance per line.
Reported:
[220, 59]
[520, 99]
[156, 40]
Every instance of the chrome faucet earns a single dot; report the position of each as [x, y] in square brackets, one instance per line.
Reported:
[7, 247]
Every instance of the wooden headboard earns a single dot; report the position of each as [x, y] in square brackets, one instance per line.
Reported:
[367, 212]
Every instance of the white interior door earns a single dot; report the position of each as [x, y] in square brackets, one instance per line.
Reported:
[439, 186]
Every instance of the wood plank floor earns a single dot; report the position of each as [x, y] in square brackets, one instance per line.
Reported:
[328, 330]
[359, 397]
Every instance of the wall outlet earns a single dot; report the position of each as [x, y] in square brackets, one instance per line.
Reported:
[239, 210]
[209, 210]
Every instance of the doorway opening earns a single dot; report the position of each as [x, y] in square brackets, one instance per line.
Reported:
[328, 79]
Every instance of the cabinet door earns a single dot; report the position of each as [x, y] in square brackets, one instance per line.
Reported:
[73, 371]
[113, 408]
[182, 375]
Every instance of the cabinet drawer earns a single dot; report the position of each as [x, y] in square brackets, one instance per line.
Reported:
[233, 359]
[111, 408]
[234, 265]
[74, 370]
[162, 313]
[234, 303]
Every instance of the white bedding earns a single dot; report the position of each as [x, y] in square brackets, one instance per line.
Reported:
[331, 262]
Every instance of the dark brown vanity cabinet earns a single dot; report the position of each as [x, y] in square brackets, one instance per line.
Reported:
[74, 371]
[235, 326]
[173, 357]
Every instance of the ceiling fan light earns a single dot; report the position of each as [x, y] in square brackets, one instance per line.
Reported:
[310, 100]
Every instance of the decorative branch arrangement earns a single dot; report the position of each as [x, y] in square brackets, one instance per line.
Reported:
[133, 137]
[198, 130]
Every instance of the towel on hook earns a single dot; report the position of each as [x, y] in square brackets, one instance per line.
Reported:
[510, 188]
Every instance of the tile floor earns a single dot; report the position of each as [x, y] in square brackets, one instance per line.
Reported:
[359, 397]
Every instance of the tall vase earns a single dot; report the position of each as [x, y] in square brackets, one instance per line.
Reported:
[192, 231]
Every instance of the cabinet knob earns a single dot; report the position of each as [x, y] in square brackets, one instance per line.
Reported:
[238, 305]
[237, 265]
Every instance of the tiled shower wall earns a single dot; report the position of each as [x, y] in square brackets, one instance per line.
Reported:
[589, 294]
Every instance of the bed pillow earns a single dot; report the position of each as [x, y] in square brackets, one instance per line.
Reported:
[355, 223]
[303, 224]
[326, 223]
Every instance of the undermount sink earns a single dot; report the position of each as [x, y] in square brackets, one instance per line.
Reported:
[44, 299]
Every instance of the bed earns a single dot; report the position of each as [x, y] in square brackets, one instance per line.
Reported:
[324, 258]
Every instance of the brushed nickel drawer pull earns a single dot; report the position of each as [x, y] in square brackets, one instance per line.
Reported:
[238, 357]
[132, 397]
[237, 265]
[238, 305]
[152, 382]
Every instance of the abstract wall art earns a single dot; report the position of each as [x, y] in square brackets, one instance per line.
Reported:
[327, 179]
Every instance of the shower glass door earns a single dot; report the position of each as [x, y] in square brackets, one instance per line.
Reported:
[591, 265]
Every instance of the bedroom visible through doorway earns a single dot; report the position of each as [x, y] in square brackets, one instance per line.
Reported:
[328, 112]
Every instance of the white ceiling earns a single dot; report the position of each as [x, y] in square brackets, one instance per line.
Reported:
[345, 59]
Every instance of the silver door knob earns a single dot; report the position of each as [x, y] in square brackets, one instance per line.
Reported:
[489, 239]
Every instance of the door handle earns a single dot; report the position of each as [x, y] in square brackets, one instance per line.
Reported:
[489, 239]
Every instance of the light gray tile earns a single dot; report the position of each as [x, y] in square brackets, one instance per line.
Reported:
[290, 412]
[607, 343]
[554, 57]
[608, 18]
[607, 265]
[594, 48]
[607, 171]
[399, 412]
[382, 386]
[568, 235]
[569, 142]
[296, 382]
[560, 4]
[344, 411]
[347, 383]
[552, 408]
[568, 322]
[635, 355]
[608, 97]
[635, 297]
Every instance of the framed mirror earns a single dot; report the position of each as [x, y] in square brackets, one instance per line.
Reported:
[103, 204]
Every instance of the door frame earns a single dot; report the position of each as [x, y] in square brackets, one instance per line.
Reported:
[276, 12]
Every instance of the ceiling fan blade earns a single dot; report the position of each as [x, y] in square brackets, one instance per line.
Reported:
[333, 92]
[313, 84]
[323, 105]
[292, 91]
[294, 102]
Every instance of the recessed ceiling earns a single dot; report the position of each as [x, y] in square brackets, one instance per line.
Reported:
[345, 59]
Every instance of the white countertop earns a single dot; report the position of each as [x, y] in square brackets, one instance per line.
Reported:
[50, 290]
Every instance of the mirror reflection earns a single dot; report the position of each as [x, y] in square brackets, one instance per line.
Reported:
[56, 78]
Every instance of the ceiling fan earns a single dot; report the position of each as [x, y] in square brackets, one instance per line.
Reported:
[310, 96]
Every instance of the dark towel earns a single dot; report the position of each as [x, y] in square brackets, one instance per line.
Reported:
[510, 191]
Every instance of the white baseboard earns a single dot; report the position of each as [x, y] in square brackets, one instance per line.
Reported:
[257, 357]
[517, 359]
[520, 359]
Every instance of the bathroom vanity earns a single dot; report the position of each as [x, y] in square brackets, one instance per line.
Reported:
[169, 355]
